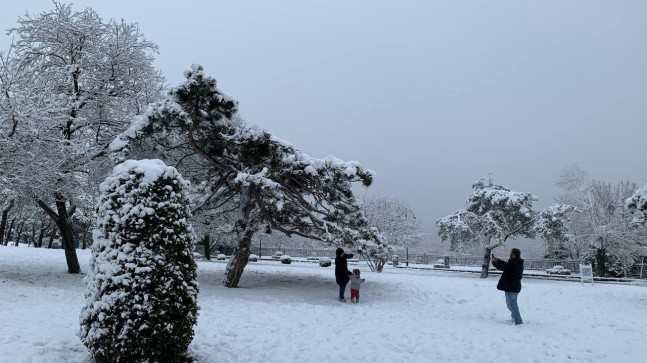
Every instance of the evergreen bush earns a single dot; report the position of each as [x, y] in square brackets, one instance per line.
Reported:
[141, 298]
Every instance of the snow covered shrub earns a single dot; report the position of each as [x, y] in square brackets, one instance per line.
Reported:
[252, 258]
[286, 260]
[375, 250]
[277, 255]
[614, 263]
[558, 270]
[141, 298]
[325, 262]
[221, 257]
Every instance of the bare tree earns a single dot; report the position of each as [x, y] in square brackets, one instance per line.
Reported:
[395, 220]
[600, 226]
[69, 83]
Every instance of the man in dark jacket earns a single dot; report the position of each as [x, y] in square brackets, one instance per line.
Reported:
[342, 275]
[510, 281]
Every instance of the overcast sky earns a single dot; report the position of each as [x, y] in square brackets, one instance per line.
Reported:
[431, 95]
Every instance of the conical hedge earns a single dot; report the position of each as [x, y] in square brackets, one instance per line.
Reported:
[141, 301]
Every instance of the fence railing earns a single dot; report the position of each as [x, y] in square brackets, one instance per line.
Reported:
[429, 258]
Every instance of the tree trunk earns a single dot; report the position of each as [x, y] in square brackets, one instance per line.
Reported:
[238, 260]
[32, 236]
[245, 231]
[10, 231]
[51, 237]
[43, 228]
[86, 229]
[600, 262]
[207, 247]
[64, 222]
[485, 267]
[67, 233]
[3, 221]
[21, 226]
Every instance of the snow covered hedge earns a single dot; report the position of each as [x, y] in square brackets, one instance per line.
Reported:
[286, 260]
[325, 261]
[141, 298]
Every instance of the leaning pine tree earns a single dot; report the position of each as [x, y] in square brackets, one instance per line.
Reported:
[494, 214]
[141, 300]
[263, 182]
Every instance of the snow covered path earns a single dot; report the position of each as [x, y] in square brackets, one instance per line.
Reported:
[288, 313]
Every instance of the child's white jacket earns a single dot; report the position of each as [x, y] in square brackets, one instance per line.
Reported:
[355, 282]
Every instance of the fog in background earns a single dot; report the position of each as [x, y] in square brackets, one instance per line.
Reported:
[431, 95]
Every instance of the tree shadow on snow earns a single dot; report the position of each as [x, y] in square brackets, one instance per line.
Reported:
[274, 286]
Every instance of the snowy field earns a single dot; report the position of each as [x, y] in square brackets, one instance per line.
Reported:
[289, 313]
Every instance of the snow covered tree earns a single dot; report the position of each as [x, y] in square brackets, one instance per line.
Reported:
[637, 205]
[394, 218]
[600, 226]
[141, 300]
[374, 249]
[393, 221]
[552, 226]
[272, 185]
[494, 214]
[69, 83]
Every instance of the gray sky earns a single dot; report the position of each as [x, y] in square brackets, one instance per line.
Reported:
[431, 95]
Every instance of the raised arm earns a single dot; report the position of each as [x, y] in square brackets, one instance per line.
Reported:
[500, 265]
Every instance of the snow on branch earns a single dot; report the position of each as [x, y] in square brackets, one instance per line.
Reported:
[637, 205]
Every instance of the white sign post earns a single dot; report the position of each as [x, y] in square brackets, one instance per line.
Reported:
[586, 273]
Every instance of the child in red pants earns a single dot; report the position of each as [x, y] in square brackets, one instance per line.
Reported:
[355, 282]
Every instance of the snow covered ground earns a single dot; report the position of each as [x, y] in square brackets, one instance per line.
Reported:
[289, 313]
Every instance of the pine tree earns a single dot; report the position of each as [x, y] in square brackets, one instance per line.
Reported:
[493, 214]
[141, 300]
[265, 182]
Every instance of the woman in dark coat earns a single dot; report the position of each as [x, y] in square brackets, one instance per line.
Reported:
[342, 275]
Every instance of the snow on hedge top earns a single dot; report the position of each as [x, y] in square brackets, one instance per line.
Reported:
[151, 169]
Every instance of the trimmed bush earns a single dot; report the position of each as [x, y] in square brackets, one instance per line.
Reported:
[252, 258]
[286, 260]
[277, 255]
[141, 297]
[325, 262]
[221, 257]
[558, 270]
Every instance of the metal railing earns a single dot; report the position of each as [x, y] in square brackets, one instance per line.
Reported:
[429, 259]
